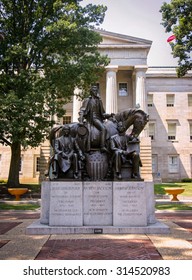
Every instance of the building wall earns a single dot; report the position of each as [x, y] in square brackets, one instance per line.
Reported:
[28, 172]
[163, 149]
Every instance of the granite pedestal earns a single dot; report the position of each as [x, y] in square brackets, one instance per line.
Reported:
[97, 207]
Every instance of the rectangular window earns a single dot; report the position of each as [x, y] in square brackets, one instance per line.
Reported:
[190, 100]
[66, 119]
[152, 131]
[123, 89]
[171, 131]
[37, 164]
[173, 164]
[190, 126]
[170, 100]
[150, 100]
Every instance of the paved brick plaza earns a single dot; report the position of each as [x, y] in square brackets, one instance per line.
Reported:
[15, 244]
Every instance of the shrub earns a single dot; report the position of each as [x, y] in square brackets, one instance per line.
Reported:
[186, 180]
[3, 181]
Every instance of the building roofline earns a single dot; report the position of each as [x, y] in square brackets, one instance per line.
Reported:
[123, 37]
[165, 71]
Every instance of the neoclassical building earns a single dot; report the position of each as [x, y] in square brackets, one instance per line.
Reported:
[128, 82]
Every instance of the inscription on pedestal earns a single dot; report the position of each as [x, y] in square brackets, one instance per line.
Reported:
[97, 203]
[66, 204]
[129, 204]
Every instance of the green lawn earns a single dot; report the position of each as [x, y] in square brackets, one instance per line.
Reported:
[159, 188]
[4, 206]
[173, 206]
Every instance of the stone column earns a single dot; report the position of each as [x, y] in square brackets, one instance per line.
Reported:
[140, 96]
[140, 91]
[111, 89]
[76, 105]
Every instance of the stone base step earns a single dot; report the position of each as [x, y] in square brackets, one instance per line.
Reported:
[36, 228]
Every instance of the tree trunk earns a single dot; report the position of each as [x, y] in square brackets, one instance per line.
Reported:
[13, 179]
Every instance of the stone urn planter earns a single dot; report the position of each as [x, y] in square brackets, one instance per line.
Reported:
[17, 192]
[174, 192]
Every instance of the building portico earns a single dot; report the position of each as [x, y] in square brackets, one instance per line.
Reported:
[128, 65]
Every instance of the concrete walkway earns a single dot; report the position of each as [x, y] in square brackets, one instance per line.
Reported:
[16, 245]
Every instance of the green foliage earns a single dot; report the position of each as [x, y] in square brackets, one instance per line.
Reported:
[176, 18]
[48, 48]
[3, 181]
[27, 206]
[33, 188]
[159, 189]
[186, 180]
[173, 206]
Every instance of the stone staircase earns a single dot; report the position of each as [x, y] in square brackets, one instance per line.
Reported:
[146, 158]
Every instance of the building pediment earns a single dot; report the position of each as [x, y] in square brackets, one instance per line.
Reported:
[113, 40]
[124, 51]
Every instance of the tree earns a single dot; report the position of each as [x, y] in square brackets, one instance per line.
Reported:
[48, 48]
[176, 18]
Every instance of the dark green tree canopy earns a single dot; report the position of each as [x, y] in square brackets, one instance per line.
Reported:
[49, 47]
[177, 18]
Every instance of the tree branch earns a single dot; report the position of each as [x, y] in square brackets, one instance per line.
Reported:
[5, 141]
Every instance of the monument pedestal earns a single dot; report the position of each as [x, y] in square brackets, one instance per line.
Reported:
[97, 207]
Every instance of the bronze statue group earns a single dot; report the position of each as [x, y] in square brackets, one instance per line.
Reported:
[94, 145]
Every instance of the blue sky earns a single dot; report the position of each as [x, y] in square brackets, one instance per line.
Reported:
[142, 19]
